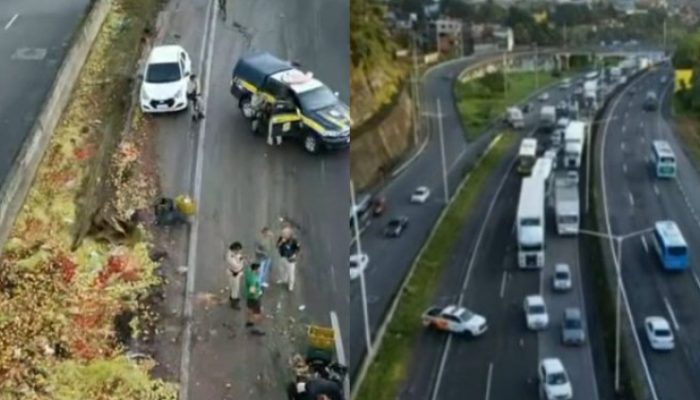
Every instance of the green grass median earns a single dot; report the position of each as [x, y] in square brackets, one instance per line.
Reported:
[390, 367]
[482, 100]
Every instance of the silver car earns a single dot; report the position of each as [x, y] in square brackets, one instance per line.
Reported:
[572, 332]
[561, 280]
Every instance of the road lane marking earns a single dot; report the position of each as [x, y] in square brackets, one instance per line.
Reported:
[631, 198]
[12, 21]
[340, 351]
[624, 128]
[206, 44]
[696, 280]
[503, 283]
[656, 190]
[643, 139]
[641, 124]
[672, 315]
[624, 168]
[622, 146]
[489, 377]
[644, 243]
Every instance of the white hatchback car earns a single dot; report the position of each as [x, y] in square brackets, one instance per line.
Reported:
[536, 315]
[164, 86]
[659, 333]
[561, 280]
[554, 381]
[358, 264]
[420, 195]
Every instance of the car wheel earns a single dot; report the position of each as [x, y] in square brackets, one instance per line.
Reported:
[311, 143]
[245, 107]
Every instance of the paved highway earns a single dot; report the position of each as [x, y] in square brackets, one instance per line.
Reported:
[34, 38]
[246, 185]
[390, 259]
[634, 200]
[484, 274]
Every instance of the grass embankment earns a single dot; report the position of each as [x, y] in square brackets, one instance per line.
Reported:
[483, 100]
[389, 369]
[688, 128]
[58, 306]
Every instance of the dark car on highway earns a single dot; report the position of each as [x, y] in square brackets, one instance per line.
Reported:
[396, 226]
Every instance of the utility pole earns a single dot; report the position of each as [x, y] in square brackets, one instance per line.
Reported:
[505, 76]
[363, 288]
[442, 153]
[665, 33]
[416, 98]
[537, 67]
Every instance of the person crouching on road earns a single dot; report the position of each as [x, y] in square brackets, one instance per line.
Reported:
[253, 294]
[235, 263]
[288, 248]
[193, 95]
[263, 251]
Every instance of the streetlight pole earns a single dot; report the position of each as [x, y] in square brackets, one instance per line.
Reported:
[618, 239]
[416, 99]
[363, 288]
[443, 160]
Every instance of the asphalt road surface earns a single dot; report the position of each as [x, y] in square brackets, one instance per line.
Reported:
[246, 185]
[390, 259]
[635, 200]
[502, 364]
[34, 38]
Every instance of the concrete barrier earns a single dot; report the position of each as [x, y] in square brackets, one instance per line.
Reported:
[17, 183]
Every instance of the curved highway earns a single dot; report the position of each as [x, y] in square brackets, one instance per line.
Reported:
[633, 200]
[390, 259]
[484, 277]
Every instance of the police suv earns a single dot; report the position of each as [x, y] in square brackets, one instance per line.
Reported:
[293, 104]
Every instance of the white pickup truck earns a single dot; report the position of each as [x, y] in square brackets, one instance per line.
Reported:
[455, 319]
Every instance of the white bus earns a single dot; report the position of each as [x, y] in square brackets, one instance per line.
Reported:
[663, 158]
[527, 155]
[530, 223]
[574, 137]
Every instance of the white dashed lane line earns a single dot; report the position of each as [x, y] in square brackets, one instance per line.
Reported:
[12, 21]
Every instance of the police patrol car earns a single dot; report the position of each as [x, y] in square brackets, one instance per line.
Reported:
[285, 100]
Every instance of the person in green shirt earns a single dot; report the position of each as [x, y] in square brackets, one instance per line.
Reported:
[253, 292]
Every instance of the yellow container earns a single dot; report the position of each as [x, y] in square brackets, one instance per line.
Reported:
[185, 205]
[321, 337]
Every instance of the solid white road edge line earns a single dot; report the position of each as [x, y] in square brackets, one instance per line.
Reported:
[207, 44]
[489, 377]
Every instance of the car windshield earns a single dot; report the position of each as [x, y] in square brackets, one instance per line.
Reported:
[394, 223]
[558, 378]
[537, 309]
[317, 99]
[163, 73]
[572, 323]
[662, 333]
[561, 275]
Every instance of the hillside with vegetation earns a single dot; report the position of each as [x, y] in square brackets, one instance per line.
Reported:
[376, 76]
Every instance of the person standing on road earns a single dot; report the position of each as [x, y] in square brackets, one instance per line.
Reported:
[193, 95]
[235, 263]
[263, 251]
[253, 294]
[288, 248]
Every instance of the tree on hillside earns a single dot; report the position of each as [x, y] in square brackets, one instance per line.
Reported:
[572, 15]
[368, 35]
[687, 54]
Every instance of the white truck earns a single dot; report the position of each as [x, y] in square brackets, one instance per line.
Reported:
[548, 117]
[454, 319]
[530, 223]
[515, 118]
[566, 205]
[574, 141]
[590, 94]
